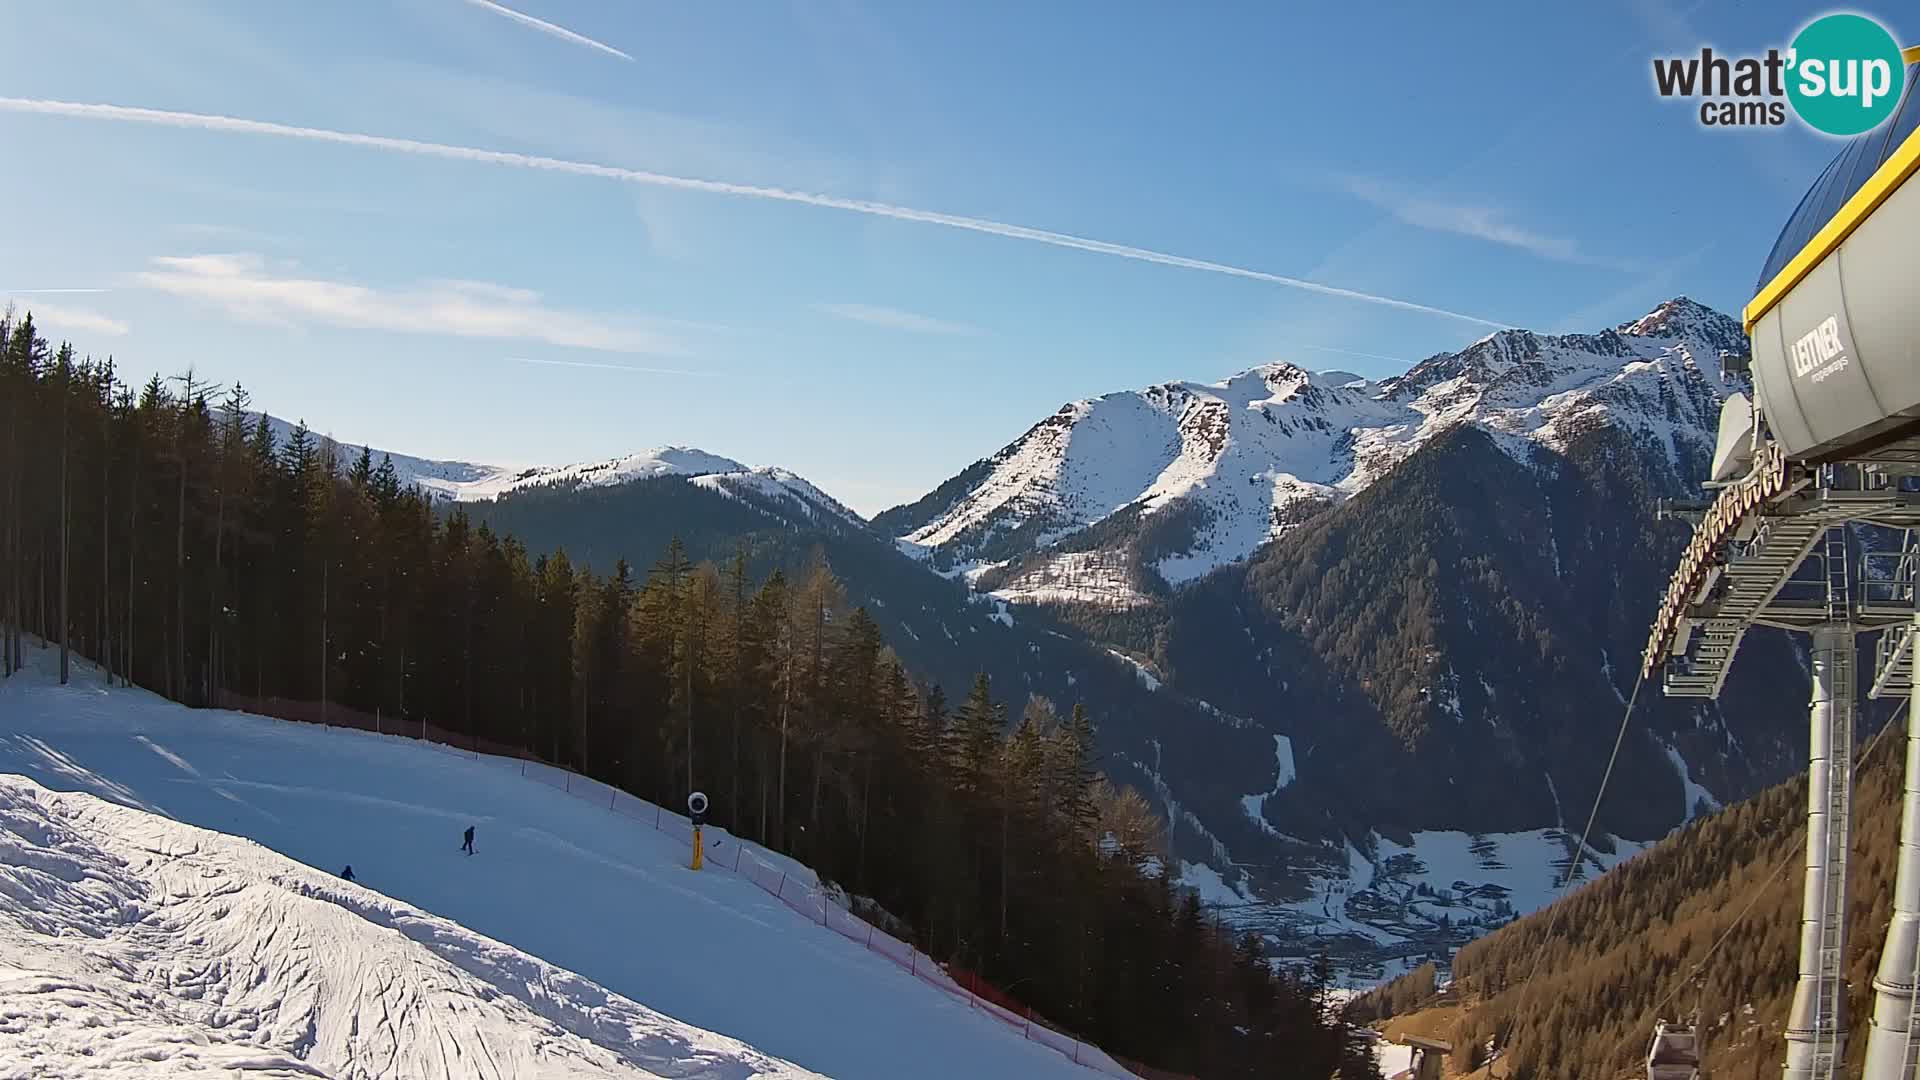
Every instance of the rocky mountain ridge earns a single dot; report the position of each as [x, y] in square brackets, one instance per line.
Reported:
[1116, 499]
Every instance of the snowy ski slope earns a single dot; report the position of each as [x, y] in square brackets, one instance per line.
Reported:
[132, 945]
[556, 877]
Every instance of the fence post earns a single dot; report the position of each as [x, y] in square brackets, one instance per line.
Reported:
[658, 813]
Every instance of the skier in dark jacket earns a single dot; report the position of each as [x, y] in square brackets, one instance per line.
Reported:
[467, 846]
[348, 872]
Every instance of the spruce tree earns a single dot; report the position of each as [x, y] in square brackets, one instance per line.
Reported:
[331, 593]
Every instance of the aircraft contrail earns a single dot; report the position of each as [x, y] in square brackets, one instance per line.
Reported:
[238, 125]
[546, 27]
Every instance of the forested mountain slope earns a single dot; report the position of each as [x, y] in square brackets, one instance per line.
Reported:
[1644, 936]
[199, 556]
[1409, 684]
[1443, 622]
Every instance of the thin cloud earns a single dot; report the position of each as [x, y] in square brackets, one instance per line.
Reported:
[50, 292]
[246, 288]
[546, 27]
[76, 320]
[205, 122]
[1352, 352]
[1480, 222]
[249, 237]
[896, 319]
[610, 367]
[1655, 287]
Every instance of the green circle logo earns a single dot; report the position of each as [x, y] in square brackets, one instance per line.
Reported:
[1845, 74]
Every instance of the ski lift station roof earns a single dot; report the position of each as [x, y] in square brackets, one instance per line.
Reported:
[1843, 178]
[1836, 322]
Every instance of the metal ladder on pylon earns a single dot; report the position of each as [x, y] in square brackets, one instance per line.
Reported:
[1833, 901]
[1834, 558]
[1913, 1015]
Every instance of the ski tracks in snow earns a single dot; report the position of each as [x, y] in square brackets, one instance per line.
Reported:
[133, 945]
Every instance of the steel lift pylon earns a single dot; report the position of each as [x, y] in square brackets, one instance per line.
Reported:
[1829, 445]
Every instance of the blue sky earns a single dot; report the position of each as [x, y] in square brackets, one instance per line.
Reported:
[1514, 167]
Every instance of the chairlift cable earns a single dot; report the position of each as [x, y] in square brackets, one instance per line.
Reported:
[1578, 855]
[1754, 897]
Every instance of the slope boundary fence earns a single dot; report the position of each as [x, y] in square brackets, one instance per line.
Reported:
[797, 889]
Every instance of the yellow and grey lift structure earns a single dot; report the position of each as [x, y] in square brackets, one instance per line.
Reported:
[1830, 441]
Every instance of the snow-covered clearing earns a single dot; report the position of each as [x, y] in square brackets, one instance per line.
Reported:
[1394, 1059]
[1255, 806]
[1213, 889]
[1699, 799]
[557, 877]
[1145, 674]
[1529, 866]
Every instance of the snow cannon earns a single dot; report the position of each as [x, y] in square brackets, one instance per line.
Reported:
[697, 813]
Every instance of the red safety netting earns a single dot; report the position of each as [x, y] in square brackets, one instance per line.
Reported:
[726, 853]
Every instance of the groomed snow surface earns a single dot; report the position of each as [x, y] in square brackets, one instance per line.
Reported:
[129, 937]
[133, 944]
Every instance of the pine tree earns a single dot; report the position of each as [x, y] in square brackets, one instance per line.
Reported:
[975, 734]
[338, 594]
[63, 363]
[361, 475]
[735, 653]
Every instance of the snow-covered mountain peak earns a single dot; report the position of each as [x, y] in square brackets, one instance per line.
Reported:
[1238, 461]
[783, 486]
[465, 481]
[1266, 386]
[1685, 318]
[1347, 379]
[644, 465]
